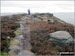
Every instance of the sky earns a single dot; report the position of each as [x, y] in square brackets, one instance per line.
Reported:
[37, 6]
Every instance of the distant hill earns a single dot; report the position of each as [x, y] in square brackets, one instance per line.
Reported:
[66, 16]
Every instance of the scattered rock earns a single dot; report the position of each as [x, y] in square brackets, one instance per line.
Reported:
[14, 47]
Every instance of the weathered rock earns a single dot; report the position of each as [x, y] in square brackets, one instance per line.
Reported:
[61, 36]
[26, 53]
[14, 47]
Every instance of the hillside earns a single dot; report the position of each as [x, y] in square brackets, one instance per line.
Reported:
[41, 27]
[51, 22]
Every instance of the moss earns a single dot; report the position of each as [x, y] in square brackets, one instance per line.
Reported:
[12, 43]
[3, 53]
[18, 22]
[17, 31]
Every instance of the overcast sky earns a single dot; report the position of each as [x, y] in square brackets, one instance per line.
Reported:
[37, 6]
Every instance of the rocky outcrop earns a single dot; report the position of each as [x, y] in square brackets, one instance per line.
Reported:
[61, 36]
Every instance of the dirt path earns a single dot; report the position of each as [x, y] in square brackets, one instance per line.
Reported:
[20, 45]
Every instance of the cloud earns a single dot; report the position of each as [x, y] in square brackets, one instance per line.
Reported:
[37, 6]
[38, 0]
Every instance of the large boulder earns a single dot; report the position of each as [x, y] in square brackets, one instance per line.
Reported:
[61, 36]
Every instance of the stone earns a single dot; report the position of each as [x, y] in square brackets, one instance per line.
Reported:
[14, 47]
[26, 53]
[61, 36]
